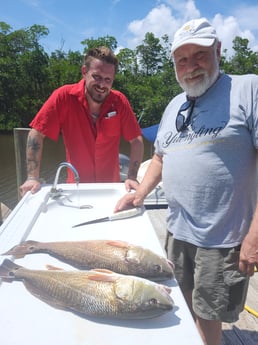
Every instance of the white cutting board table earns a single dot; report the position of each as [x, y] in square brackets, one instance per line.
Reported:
[25, 320]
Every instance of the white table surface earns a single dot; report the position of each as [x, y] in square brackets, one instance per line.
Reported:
[26, 320]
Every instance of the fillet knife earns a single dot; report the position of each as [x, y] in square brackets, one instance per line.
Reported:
[116, 216]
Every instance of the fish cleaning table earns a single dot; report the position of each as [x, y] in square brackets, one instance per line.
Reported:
[26, 320]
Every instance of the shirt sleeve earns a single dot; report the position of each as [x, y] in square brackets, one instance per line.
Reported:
[48, 120]
[130, 127]
[252, 107]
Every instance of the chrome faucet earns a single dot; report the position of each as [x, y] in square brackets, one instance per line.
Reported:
[54, 192]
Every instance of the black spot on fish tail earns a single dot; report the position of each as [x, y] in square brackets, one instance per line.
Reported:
[7, 270]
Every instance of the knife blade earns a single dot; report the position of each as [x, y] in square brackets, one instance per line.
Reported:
[115, 216]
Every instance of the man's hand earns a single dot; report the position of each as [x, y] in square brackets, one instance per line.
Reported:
[32, 185]
[248, 255]
[128, 201]
[131, 185]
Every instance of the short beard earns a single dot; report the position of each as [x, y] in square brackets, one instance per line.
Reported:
[200, 88]
[95, 98]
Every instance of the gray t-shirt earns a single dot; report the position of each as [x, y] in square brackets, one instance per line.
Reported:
[209, 170]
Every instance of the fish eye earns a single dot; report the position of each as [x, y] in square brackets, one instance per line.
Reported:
[153, 301]
[158, 268]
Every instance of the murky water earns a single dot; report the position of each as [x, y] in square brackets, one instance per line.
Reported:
[53, 154]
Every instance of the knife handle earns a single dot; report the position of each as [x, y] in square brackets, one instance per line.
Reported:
[126, 214]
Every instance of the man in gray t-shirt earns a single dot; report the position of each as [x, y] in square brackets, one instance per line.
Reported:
[205, 154]
[209, 172]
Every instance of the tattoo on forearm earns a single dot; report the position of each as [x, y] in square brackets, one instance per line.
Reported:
[33, 145]
[132, 173]
[33, 148]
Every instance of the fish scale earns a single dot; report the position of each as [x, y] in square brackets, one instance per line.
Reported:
[98, 293]
[115, 255]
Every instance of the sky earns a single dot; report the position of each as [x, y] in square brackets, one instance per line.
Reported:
[70, 22]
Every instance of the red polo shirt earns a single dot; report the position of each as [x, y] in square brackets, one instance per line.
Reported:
[93, 150]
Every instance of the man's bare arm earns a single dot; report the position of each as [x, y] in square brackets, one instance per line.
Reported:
[33, 158]
[34, 153]
[136, 156]
[150, 180]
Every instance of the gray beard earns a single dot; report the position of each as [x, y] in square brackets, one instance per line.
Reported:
[199, 89]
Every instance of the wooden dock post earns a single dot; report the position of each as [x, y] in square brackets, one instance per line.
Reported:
[20, 143]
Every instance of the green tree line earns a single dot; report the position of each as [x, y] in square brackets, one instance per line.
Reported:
[28, 75]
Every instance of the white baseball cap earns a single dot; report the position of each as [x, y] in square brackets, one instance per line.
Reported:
[196, 31]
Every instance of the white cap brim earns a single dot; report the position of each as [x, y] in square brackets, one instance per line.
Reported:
[205, 42]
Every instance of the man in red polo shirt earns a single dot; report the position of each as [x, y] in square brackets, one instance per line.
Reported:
[92, 118]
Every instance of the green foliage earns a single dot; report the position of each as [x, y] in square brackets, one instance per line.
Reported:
[28, 75]
[108, 41]
[150, 54]
[244, 60]
[23, 74]
[64, 68]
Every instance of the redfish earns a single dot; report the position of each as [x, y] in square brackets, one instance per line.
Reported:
[117, 256]
[97, 293]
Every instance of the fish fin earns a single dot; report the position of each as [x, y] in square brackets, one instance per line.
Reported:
[102, 275]
[120, 244]
[53, 268]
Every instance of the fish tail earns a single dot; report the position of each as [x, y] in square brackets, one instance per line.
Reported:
[23, 249]
[7, 269]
